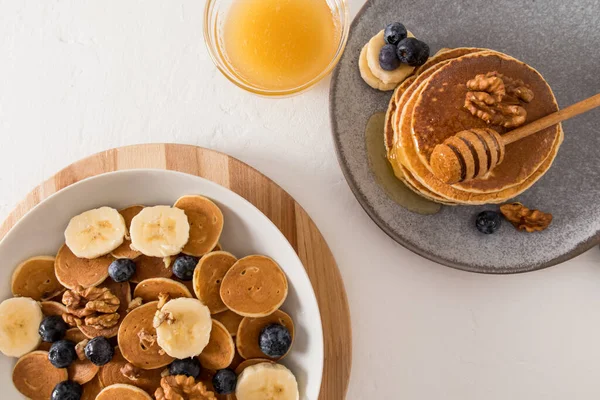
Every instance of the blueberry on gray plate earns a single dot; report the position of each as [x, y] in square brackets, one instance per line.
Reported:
[121, 270]
[187, 367]
[67, 390]
[394, 33]
[62, 353]
[224, 381]
[184, 267]
[488, 222]
[388, 58]
[99, 351]
[413, 52]
[275, 340]
[52, 328]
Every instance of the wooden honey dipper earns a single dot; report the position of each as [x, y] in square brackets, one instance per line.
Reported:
[473, 153]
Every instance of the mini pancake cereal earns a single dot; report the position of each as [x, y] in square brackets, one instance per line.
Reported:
[35, 377]
[255, 286]
[133, 327]
[149, 289]
[208, 276]
[35, 278]
[206, 224]
[220, 350]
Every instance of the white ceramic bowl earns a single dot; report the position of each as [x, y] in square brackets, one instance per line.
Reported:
[246, 231]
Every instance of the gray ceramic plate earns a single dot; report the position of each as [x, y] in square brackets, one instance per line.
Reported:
[560, 39]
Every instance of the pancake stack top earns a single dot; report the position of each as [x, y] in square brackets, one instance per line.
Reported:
[468, 89]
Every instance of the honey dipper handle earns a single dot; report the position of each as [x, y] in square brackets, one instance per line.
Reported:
[552, 119]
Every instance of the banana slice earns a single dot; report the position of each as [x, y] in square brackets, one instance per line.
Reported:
[160, 231]
[367, 75]
[20, 318]
[267, 381]
[183, 327]
[387, 77]
[95, 233]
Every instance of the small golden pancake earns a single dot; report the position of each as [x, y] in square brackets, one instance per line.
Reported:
[142, 354]
[123, 292]
[123, 392]
[249, 332]
[53, 308]
[220, 350]
[75, 335]
[82, 371]
[147, 267]
[206, 224]
[35, 278]
[149, 289]
[72, 271]
[237, 360]
[230, 320]
[110, 374]
[91, 389]
[248, 363]
[208, 276]
[125, 250]
[35, 377]
[255, 286]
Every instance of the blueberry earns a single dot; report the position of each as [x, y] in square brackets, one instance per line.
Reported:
[62, 353]
[67, 390]
[488, 222]
[184, 267]
[275, 340]
[53, 328]
[224, 381]
[388, 58]
[121, 270]
[413, 52]
[394, 33]
[99, 351]
[187, 367]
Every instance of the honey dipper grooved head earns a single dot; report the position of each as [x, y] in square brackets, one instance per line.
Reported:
[469, 154]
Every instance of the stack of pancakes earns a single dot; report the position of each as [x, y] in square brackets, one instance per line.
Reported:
[428, 108]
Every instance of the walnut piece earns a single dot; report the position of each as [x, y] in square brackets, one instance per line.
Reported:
[131, 372]
[96, 307]
[135, 303]
[181, 387]
[102, 321]
[496, 99]
[162, 299]
[146, 338]
[525, 219]
[80, 349]
[72, 320]
[161, 317]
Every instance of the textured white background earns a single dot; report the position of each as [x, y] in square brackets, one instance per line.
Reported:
[81, 76]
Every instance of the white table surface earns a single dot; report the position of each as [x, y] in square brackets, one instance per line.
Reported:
[81, 76]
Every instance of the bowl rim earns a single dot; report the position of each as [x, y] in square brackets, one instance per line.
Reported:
[222, 65]
[318, 321]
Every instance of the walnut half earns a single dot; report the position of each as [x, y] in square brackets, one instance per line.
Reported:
[525, 219]
[131, 372]
[96, 307]
[181, 387]
[496, 99]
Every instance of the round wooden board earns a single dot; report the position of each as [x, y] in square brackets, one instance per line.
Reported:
[268, 197]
